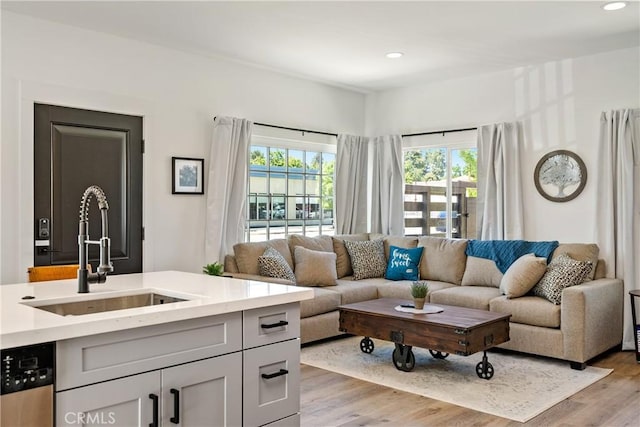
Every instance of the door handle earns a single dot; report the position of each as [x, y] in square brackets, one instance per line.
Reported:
[154, 398]
[176, 406]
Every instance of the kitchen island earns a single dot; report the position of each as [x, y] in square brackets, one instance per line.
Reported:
[225, 353]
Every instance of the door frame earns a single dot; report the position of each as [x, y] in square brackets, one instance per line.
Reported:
[17, 252]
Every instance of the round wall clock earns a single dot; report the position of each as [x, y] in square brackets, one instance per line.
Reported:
[560, 176]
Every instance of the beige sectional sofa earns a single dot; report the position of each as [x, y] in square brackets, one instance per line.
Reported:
[587, 322]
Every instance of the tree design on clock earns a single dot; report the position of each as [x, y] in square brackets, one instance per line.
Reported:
[560, 176]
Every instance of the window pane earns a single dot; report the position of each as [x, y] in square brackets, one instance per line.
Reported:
[257, 231]
[258, 158]
[277, 158]
[295, 184]
[296, 161]
[313, 185]
[313, 162]
[464, 173]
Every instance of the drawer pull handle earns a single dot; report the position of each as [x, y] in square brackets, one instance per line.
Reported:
[280, 373]
[176, 406]
[154, 398]
[274, 325]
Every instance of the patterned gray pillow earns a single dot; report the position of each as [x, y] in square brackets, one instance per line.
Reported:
[272, 264]
[562, 272]
[367, 258]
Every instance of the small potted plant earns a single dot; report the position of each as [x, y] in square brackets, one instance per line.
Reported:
[419, 290]
[214, 269]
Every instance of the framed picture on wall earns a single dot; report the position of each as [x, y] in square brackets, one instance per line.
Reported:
[187, 175]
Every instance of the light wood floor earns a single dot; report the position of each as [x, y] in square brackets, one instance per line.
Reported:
[330, 399]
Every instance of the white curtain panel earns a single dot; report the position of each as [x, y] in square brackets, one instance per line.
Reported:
[618, 204]
[227, 186]
[387, 186]
[351, 184]
[500, 209]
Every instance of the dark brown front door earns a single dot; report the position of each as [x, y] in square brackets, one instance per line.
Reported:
[74, 149]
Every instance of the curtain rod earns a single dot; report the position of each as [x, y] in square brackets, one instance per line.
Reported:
[438, 131]
[335, 134]
[294, 129]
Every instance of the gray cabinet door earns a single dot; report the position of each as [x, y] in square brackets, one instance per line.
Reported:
[123, 402]
[271, 382]
[204, 393]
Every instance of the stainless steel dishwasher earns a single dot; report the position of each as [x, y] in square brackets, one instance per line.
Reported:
[26, 397]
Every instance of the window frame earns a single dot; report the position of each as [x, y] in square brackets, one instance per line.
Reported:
[304, 142]
[449, 141]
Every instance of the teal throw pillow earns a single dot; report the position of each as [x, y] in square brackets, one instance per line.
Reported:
[403, 263]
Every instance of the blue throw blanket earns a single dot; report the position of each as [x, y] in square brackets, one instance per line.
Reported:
[505, 252]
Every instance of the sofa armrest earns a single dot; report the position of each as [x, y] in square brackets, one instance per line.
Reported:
[230, 265]
[246, 276]
[591, 318]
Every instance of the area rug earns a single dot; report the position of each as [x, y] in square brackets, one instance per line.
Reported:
[521, 388]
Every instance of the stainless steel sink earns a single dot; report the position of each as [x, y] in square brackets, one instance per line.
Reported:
[78, 308]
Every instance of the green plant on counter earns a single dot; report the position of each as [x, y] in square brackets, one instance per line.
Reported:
[419, 289]
[214, 269]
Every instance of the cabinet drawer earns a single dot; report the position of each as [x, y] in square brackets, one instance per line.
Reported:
[268, 325]
[271, 382]
[292, 421]
[95, 358]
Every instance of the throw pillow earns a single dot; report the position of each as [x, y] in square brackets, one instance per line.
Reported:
[444, 260]
[343, 260]
[523, 275]
[481, 272]
[315, 268]
[272, 264]
[562, 272]
[367, 258]
[403, 263]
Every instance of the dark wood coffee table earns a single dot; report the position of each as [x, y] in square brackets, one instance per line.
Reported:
[457, 330]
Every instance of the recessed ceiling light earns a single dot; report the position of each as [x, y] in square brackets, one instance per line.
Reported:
[394, 55]
[614, 5]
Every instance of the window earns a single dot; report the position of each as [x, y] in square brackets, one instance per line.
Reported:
[440, 186]
[290, 189]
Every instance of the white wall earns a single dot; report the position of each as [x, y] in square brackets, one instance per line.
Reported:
[560, 104]
[177, 93]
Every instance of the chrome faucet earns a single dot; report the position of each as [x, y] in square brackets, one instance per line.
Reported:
[84, 277]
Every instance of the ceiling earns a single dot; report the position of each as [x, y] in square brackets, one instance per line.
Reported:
[344, 43]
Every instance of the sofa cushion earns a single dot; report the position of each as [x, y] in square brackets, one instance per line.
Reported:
[580, 252]
[530, 310]
[367, 258]
[403, 263]
[397, 241]
[247, 254]
[562, 272]
[522, 275]
[273, 264]
[315, 268]
[402, 288]
[354, 291]
[477, 297]
[343, 260]
[318, 243]
[323, 301]
[442, 259]
[481, 272]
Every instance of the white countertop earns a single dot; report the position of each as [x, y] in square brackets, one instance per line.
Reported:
[21, 324]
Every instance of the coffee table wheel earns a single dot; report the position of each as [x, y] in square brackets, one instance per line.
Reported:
[403, 358]
[366, 345]
[484, 369]
[438, 354]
